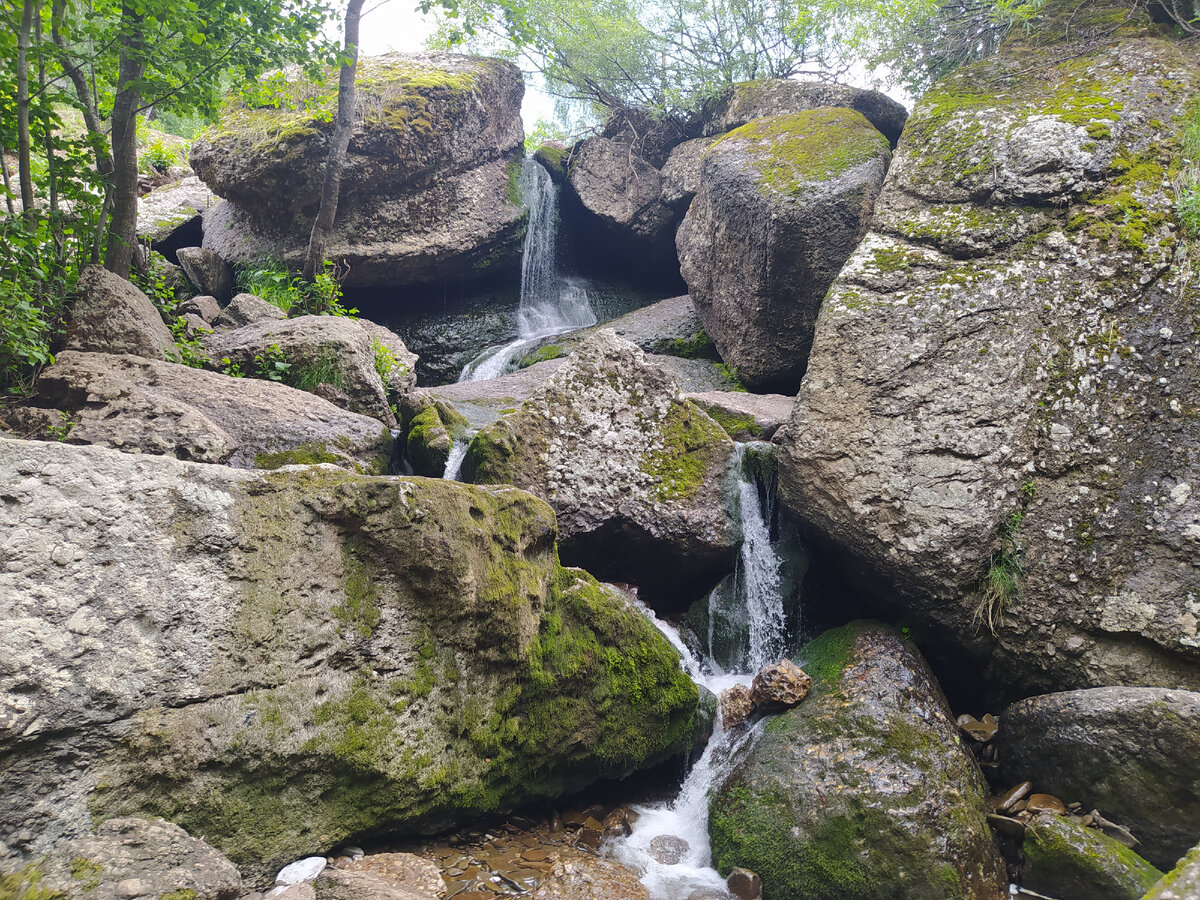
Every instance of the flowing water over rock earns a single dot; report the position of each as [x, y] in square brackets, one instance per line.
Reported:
[549, 304]
[669, 844]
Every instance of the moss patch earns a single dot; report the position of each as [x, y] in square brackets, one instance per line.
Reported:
[687, 439]
[793, 150]
[309, 454]
[1063, 857]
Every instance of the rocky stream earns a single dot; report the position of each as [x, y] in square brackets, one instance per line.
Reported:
[798, 506]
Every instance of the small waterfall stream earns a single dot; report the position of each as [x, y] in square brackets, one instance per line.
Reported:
[686, 816]
[550, 304]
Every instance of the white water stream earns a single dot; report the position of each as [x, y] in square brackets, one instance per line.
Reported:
[686, 816]
[550, 304]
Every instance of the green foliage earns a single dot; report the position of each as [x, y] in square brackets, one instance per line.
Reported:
[307, 374]
[272, 281]
[189, 351]
[386, 362]
[272, 364]
[1187, 186]
[1001, 584]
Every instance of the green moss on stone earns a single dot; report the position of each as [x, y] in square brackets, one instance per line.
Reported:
[86, 872]
[791, 151]
[698, 346]
[179, 894]
[359, 612]
[682, 458]
[740, 427]
[26, 884]
[542, 354]
[311, 453]
[1062, 856]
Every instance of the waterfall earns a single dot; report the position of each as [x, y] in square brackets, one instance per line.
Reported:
[758, 588]
[550, 304]
[758, 581]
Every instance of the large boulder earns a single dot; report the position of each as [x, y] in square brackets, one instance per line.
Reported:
[113, 316]
[746, 101]
[1129, 752]
[864, 790]
[997, 420]
[783, 201]
[283, 661]
[142, 406]
[636, 474]
[139, 857]
[338, 351]
[429, 188]
[615, 212]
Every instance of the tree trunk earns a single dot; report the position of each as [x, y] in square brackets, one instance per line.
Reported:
[28, 11]
[91, 118]
[122, 231]
[338, 146]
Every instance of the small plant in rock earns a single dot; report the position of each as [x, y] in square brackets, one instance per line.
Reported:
[231, 368]
[1002, 583]
[272, 364]
[274, 282]
[188, 350]
[61, 429]
[307, 374]
[386, 361]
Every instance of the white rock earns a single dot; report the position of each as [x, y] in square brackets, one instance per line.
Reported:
[306, 869]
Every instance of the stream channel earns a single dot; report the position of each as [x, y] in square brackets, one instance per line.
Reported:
[668, 845]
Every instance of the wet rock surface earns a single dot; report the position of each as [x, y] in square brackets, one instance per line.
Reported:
[635, 474]
[141, 406]
[426, 189]
[779, 685]
[863, 790]
[1182, 882]
[1129, 752]
[265, 658]
[782, 203]
[1065, 859]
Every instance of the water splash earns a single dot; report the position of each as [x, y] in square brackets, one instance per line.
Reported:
[550, 304]
[759, 582]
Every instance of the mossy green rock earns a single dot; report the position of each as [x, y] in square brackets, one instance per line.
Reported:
[863, 790]
[1069, 861]
[1015, 341]
[284, 661]
[636, 474]
[426, 187]
[1182, 882]
[782, 203]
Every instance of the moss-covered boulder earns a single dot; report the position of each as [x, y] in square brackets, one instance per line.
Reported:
[782, 203]
[429, 185]
[431, 428]
[636, 474]
[1182, 882]
[1067, 860]
[743, 102]
[1130, 752]
[997, 423]
[862, 791]
[283, 661]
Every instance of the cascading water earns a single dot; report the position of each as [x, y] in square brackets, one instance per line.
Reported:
[686, 817]
[549, 303]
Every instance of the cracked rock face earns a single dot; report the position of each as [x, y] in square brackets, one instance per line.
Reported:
[1004, 375]
[267, 659]
[636, 474]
